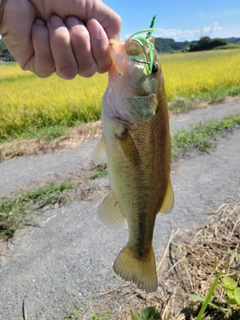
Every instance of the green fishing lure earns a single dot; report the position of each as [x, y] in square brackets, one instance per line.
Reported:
[146, 45]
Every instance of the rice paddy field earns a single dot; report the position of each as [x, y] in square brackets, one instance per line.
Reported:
[28, 103]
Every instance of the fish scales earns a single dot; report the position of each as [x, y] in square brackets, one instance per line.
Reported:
[137, 143]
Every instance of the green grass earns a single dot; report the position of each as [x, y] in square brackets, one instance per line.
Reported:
[149, 313]
[191, 101]
[217, 94]
[29, 104]
[201, 137]
[99, 173]
[17, 78]
[45, 133]
[15, 211]
[228, 46]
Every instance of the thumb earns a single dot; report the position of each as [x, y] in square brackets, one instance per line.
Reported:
[109, 19]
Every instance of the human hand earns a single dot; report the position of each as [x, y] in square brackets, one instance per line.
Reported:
[66, 37]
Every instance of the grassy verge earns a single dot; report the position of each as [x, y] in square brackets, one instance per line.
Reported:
[228, 46]
[49, 139]
[193, 101]
[201, 138]
[16, 211]
[47, 133]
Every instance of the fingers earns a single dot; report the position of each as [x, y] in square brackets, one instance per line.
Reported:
[60, 43]
[69, 48]
[42, 63]
[81, 47]
[108, 19]
[99, 46]
[78, 49]
[68, 45]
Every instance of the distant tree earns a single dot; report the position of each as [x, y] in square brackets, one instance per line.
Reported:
[206, 43]
[4, 53]
[169, 45]
[216, 42]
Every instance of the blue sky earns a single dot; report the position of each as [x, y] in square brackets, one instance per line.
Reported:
[180, 19]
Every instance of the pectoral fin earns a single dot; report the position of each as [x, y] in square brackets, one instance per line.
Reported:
[109, 214]
[128, 147]
[99, 155]
[168, 200]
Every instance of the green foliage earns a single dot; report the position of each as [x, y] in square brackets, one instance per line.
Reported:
[24, 311]
[201, 137]
[74, 316]
[206, 300]
[149, 313]
[4, 53]
[77, 315]
[14, 210]
[228, 46]
[232, 291]
[95, 317]
[46, 133]
[206, 43]
[169, 45]
[99, 173]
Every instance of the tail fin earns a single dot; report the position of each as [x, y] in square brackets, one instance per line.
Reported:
[141, 272]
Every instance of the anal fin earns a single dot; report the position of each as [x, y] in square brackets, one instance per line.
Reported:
[109, 214]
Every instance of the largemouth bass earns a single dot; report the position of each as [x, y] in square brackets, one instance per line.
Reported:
[137, 146]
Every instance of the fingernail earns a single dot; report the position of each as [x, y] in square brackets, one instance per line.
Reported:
[39, 22]
[55, 21]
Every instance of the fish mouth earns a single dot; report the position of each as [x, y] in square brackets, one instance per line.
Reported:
[118, 55]
[135, 52]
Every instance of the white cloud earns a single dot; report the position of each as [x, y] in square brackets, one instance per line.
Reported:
[195, 34]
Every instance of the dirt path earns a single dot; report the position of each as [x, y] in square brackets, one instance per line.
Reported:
[68, 259]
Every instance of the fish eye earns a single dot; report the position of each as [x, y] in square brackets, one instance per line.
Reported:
[154, 67]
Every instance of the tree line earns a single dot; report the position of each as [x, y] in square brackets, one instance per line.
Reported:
[4, 53]
[204, 43]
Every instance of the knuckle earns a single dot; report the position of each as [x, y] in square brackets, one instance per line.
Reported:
[67, 72]
[87, 71]
[103, 68]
